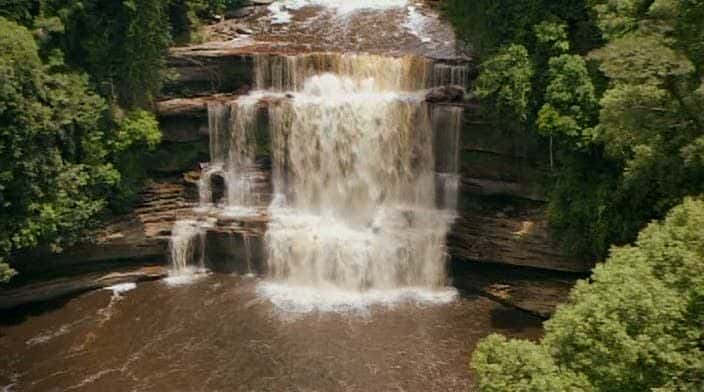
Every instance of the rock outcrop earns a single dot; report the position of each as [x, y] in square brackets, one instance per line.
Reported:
[73, 285]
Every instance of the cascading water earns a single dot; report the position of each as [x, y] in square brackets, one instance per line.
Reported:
[450, 75]
[232, 152]
[232, 155]
[447, 122]
[364, 178]
[355, 217]
[187, 251]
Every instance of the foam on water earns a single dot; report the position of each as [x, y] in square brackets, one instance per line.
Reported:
[341, 6]
[119, 289]
[185, 276]
[302, 299]
[416, 24]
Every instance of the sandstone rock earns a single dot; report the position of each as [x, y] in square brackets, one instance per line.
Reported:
[238, 13]
[534, 291]
[63, 287]
[243, 30]
[445, 94]
[522, 240]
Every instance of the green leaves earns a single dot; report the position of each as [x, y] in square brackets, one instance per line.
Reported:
[506, 80]
[139, 127]
[59, 149]
[520, 366]
[633, 326]
[642, 58]
[570, 100]
[553, 36]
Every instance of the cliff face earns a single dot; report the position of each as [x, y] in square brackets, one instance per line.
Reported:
[501, 210]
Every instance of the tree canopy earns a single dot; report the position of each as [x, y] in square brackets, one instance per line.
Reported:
[636, 325]
[616, 86]
[624, 107]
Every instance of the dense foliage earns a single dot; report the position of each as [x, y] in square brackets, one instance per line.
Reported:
[617, 90]
[616, 87]
[636, 325]
[78, 79]
[59, 147]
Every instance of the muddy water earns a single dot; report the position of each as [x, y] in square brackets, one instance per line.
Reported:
[218, 334]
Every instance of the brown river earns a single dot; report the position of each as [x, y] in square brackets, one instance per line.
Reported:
[219, 334]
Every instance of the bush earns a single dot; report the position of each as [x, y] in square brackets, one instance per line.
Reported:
[635, 326]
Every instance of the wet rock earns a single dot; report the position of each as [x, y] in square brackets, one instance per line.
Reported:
[217, 186]
[235, 250]
[260, 2]
[183, 107]
[524, 241]
[534, 291]
[243, 30]
[445, 94]
[63, 287]
[238, 13]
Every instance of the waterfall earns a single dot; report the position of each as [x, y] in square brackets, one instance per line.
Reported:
[232, 155]
[187, 251]
[232, 159]
[450, 75]
[289, 73]
[355, 217]
[364, 175]
[447, 123]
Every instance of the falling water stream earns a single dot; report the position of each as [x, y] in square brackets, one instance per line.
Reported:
[355, 218]
[365, 178]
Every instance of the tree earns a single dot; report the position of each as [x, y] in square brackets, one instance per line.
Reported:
[636, 325]
[121, 44]
[570, 102]
[505, 81]
[649, 124]
[60, 148]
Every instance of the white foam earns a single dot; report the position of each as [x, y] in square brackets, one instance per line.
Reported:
[8, 388]
[415, 24]
[281, 15]
[186, 276]
[302, 299]
[121, 288]
[43, 338]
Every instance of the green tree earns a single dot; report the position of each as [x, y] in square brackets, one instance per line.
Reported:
[570, 102]
[505, 81]
[636, 325]
[60, 148]
[121, 44]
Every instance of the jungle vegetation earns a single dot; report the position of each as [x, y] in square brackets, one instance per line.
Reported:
[78, 80]
[617, 88]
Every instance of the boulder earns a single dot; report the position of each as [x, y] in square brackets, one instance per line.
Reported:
[238, 13]
[534, 291]
[243, 30]
[64, 287]
[445, 94]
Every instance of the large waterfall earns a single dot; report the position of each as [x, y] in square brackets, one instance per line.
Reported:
[364, 178]
[356, 216]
